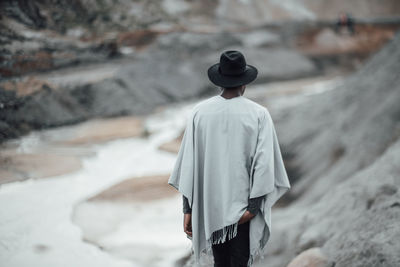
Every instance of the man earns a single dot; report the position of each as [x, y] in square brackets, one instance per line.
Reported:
[345, 20]
[229, 169]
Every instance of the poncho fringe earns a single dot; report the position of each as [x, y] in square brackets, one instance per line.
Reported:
[208, 249]
[223, 235]
[220, 236]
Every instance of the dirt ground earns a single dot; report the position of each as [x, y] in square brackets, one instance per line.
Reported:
[60, 151]
[138, 189]
[17, 167]
[325, 41]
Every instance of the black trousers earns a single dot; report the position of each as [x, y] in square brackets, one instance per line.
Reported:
[234, 252]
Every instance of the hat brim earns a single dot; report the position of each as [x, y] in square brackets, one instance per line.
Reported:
[249, 75]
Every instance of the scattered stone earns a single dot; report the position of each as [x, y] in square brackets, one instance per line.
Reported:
[312, 257]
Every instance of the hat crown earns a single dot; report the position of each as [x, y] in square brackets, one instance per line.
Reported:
[232, 63]
[232, 70]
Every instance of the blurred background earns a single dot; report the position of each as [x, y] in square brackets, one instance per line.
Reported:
[94, 98]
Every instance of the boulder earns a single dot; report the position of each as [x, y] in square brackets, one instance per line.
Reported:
[312, 257]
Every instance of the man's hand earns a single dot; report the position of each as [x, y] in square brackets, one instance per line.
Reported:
[187, 224]
[247, 216]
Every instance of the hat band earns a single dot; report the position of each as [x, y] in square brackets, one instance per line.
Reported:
[232, 73]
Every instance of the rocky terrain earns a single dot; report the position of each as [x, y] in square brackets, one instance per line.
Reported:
[344, 148]
[271, 11]
[341, 150]
[344, 204]
[65, 62]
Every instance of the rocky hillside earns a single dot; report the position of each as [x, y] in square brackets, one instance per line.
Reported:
[62, 61]
[45, 35]
[345, 202]
[259, 12]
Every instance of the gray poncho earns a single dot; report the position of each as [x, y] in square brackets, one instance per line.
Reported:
[229, 153]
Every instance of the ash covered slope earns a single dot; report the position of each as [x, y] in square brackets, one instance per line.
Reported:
[345, 130]
[347, 146]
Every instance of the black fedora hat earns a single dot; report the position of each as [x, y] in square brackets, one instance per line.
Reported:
[232, 70]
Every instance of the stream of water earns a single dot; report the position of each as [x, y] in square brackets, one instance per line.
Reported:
[35, 214]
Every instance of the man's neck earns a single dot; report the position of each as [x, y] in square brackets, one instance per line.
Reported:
[230, 94]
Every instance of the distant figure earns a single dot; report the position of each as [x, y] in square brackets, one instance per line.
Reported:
[345, 20]
[229, 169]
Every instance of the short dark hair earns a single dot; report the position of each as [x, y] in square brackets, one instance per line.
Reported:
[232, 88]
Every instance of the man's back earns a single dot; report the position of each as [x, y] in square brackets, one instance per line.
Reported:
[228, 128]
[227, 133]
